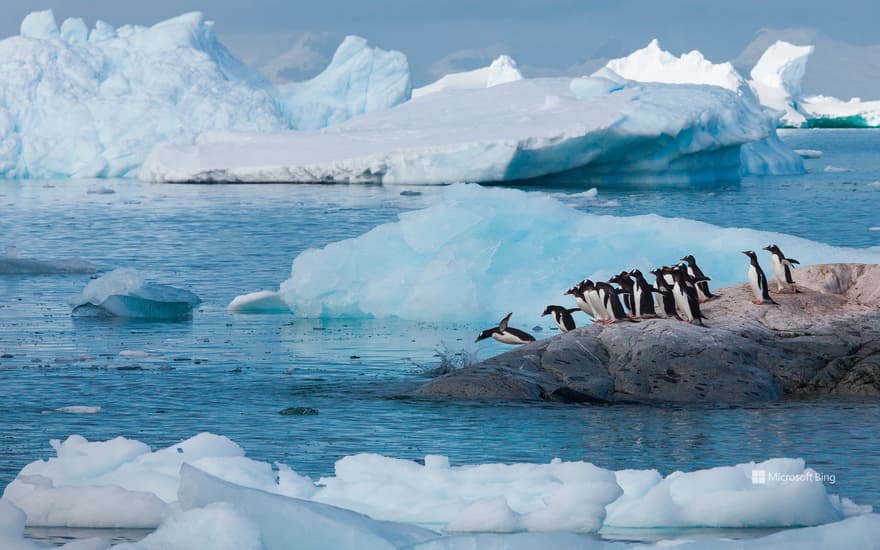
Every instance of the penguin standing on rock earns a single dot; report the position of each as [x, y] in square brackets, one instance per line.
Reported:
[664, 289]
[686, 298]
[643, 296]
[562, 316]
[626, 290]
[701, 282]
[781, 268]
[506, 334]
[582, 299]
[757, 280]
[611, 302]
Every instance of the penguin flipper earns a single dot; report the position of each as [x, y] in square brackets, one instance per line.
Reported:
[573, 309]
[790, 261]
[503, 324]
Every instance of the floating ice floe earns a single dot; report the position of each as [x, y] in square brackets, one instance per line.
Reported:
[584, 130]
[501, 71]
[79, 409]
[478, 253]
[12, 264]
[809, 153]
[124, 293]
[76, 102]
[263, 301]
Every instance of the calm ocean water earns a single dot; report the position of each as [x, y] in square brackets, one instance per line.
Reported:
[232, 374]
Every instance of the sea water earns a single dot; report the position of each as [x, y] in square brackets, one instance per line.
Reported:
[233, 374]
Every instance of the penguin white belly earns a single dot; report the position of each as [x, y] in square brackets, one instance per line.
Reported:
[598, 306]
[637, 301]
[778, 271]
[508, 338]
[753, 282]
[584, 306]
[681, 302]
[557, 316]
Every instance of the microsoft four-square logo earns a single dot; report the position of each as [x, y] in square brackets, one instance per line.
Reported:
[759, 476]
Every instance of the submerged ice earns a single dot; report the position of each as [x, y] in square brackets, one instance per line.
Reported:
[478, 253]
[124, 293]
[205, 489]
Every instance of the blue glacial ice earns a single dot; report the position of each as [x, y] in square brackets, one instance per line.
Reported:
[581, 129]
[478, 253]
[92, 103]
[124, 293]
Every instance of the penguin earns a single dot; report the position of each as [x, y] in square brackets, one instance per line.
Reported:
[506, 334]
[702, 282]
[611, 302]
[591, 293]
[781, 268]
[562, 316]
[757, 280]
[626, 290]
[582, 300]
[664, 289]
[686, 298]
[643, 296]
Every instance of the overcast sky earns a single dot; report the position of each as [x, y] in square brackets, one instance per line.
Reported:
[544, 36]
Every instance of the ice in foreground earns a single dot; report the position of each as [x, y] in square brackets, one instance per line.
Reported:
[583, 129]
[124, 293]
[122, 483]
[80, 102]
[477, 253]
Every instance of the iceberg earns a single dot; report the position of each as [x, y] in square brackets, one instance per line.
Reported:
[477, 253]
[85, 103]
[124, 293]
[501, 71]
[358, 80]
[776, 78]
[527, 129]
[653, 64]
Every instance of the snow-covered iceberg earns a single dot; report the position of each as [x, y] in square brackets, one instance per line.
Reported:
[124, 293]
[92, 103]
[358, 80]
[653, 64]
[523, 130]
[478, 253]
[776, 78]
[501, 71]
[122, 483]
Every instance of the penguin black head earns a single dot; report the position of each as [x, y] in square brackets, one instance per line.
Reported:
[486, 334]
[689, 259]
[587, 285]
[750, 253]
[636, 273]
[572, 291]
[772, 249]
[552, 309]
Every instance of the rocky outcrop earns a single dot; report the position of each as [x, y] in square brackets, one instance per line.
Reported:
[823, 340]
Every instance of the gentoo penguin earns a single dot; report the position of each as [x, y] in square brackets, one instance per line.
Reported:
[686, 298]
[582, 300]
[701, 281]
[664, 289]
[562, 316]
[611, 302]
[506, 334]
[626, 290]
[781, 268]
[590, 292]
[757, 280]
[643, 295]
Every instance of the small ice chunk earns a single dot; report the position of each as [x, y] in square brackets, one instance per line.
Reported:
[837, 169]
[135, 353]
[79, 409]
[808, 153]
[263, 301]
[124, 293]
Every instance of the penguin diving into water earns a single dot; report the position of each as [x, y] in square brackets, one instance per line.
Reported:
[757, 280]
[781, 268]
[562, 316]
[701, 282]
[506, 334]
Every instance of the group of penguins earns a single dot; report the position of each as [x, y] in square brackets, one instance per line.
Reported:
[681, 289]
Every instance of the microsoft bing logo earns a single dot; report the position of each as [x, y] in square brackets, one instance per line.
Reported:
[759, 476]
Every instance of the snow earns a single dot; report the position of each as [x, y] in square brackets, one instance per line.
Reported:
[358, 80]
[653, 64]
[263, 301]
[477, 253]
[524, 129]
[80, 103]
[501, 71]
[124, 293]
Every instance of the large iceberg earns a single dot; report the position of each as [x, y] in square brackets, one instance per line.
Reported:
[581, 129]
[501, 71]
[478, 253]
[92, 103]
